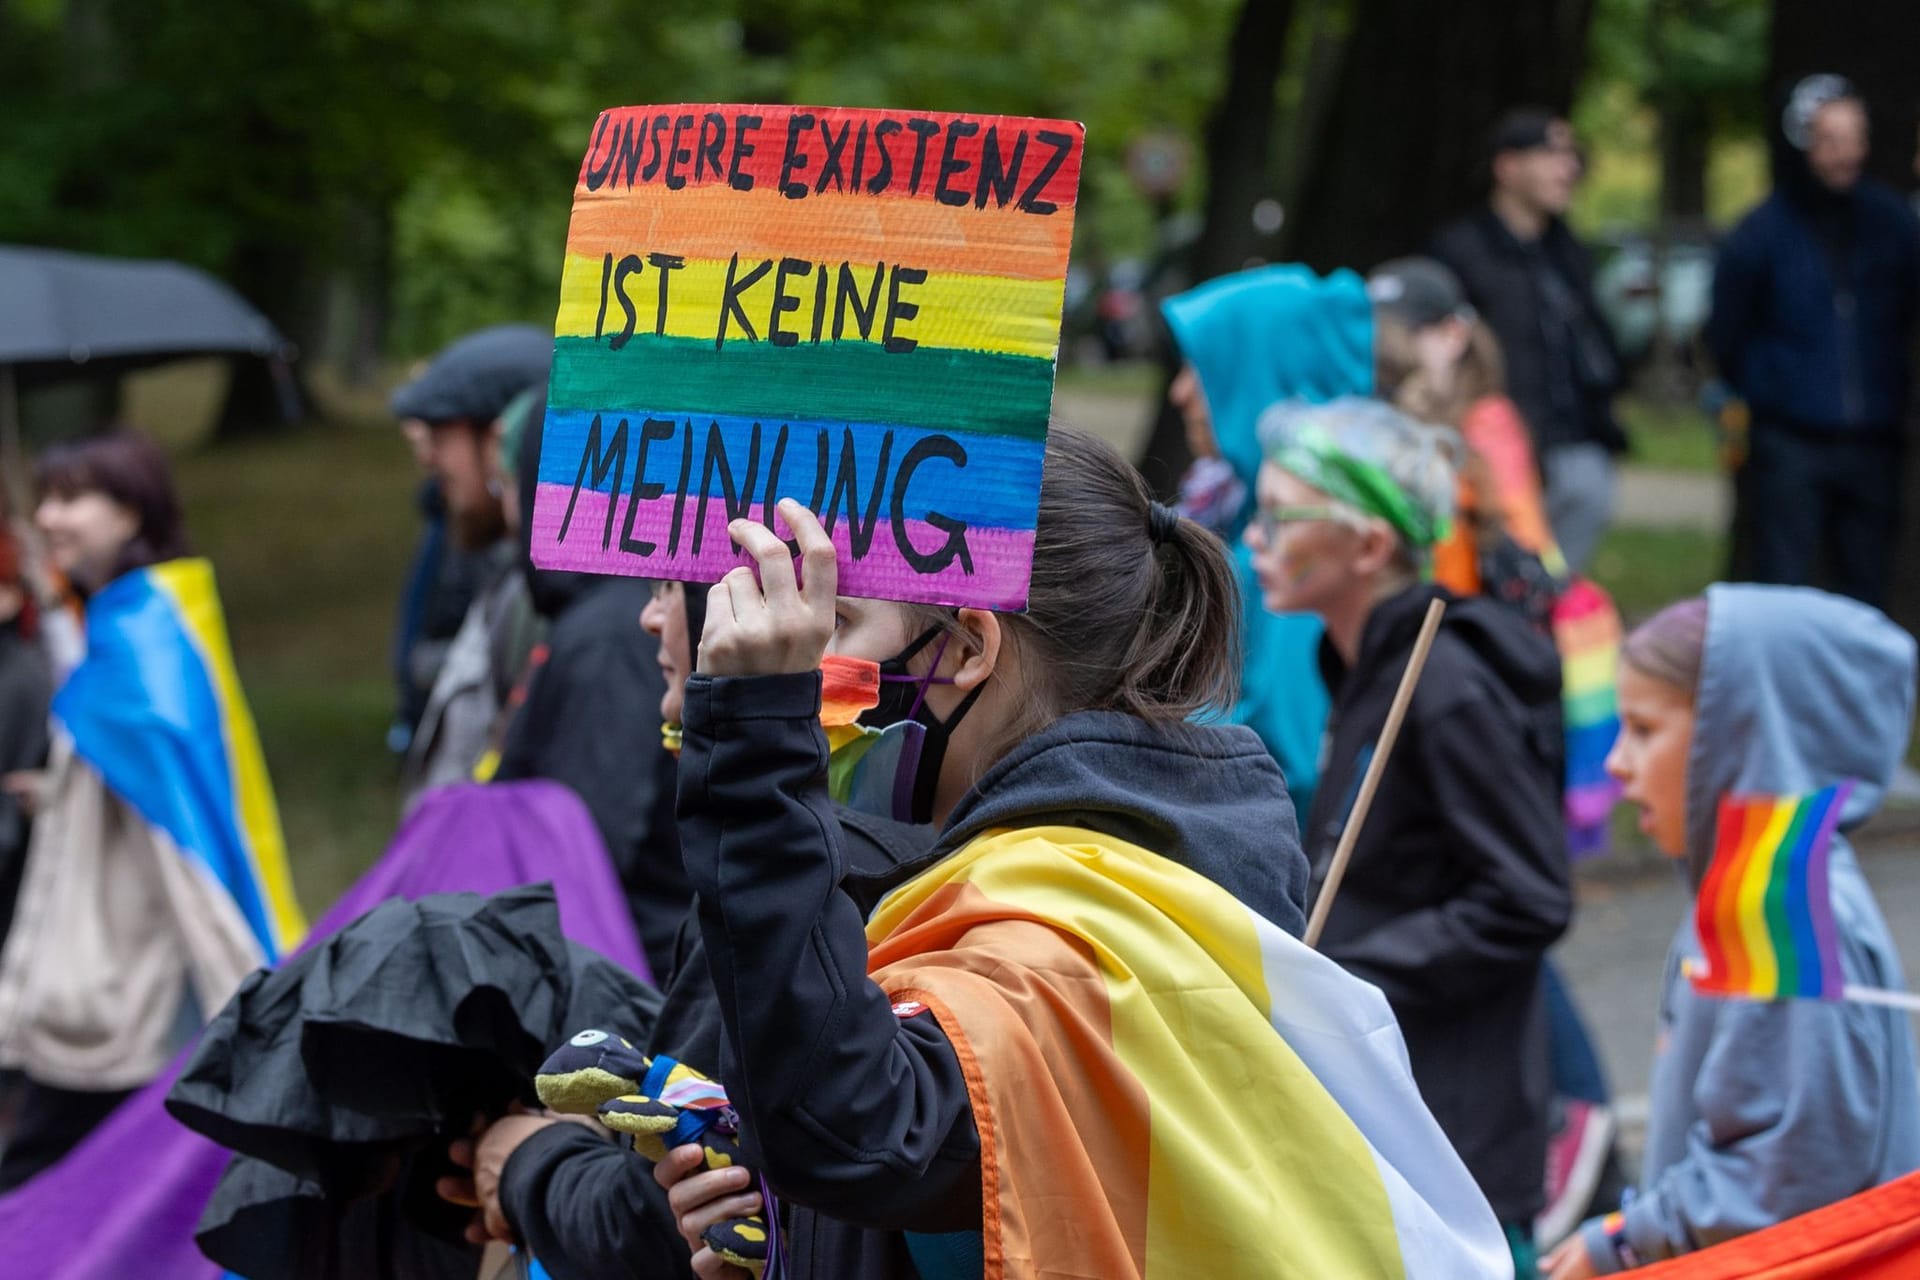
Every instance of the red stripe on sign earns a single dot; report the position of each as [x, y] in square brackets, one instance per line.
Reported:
[1013, 163]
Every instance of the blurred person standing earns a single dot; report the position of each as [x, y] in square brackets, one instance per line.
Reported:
[458, 401]
[1813, 314]
[1531, 281]
[26, 688]
[156, 876]
[585, 710]
[1459, 880]
[441, 583]
[1251, 340]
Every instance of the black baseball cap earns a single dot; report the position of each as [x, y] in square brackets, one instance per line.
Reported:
[1419, 291]
[478, 376]
[1523, 129]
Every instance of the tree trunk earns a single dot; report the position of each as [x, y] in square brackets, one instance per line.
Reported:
[1239, 155]
[1405, 142]
[1685, 134]
[1240, 137]
[1872, 43]
[281, 282]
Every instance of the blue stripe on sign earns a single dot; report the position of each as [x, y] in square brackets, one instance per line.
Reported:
[1001, 476]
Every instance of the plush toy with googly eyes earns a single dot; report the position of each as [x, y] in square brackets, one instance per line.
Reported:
[661, 1104]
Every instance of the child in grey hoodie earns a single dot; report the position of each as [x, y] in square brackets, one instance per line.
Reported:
[1762, 1110]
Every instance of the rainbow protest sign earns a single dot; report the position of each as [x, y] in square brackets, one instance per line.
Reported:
[857, 309]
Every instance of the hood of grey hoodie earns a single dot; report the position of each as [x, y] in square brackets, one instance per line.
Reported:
[1798, 690]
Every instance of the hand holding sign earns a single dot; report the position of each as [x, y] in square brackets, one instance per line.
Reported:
[772, 623]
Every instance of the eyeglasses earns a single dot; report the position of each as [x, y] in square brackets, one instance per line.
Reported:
[1271, 520]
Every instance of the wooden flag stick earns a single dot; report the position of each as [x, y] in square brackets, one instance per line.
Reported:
[1343, 852]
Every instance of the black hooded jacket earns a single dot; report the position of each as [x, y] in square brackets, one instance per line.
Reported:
[1562, 369]
[590, 718]
[1815, 297]
[1459, 882]
[859, 1118]
[589, 1209]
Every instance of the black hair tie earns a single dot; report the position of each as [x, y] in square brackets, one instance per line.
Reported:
[1162, 521]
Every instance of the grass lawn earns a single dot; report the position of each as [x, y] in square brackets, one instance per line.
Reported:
[1647, 569]
[1675, 436]
[310, 534]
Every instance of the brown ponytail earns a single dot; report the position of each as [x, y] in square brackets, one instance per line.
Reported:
[1117, 620]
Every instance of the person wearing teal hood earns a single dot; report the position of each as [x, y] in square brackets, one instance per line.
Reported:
[1761, 1110]
[1250, 341]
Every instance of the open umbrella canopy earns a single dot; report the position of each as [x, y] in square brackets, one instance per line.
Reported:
[73, 314]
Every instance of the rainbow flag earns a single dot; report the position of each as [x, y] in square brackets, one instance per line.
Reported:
[1586, 629]
[1764, 912]
[858, 309]
[156, 707]
[1165, 1083]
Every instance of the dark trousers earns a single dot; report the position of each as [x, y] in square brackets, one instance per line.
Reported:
[48, 1123]
[1820, 508]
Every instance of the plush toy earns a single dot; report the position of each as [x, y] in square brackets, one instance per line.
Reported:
[661, 1104]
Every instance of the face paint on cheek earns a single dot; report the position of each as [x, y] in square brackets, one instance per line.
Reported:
[1297, 569]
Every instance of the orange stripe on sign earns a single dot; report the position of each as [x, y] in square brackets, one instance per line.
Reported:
[718, 222]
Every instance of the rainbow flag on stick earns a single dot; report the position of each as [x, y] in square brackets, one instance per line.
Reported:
[1764, 912]
[1586, 629]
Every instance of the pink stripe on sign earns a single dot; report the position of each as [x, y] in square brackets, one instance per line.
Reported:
[1001, 558]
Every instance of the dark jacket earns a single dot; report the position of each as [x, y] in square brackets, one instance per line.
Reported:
[1813, 307]
[591, 720]
[1459, 882]
[859, 1118]
[589, 1209]
[1562, 369]
[26, 690]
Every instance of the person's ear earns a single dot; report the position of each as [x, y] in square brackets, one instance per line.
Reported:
[1503, 168]
[979, 634]
[1375, 547]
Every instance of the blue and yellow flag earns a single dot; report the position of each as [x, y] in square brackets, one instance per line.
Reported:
[156, 708]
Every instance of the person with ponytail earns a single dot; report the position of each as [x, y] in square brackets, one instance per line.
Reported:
[1763, 1109]
[1459, 880]
[1086, 1040]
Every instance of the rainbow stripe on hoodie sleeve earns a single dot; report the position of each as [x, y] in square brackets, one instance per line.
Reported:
[858, 309]
[1764, 912]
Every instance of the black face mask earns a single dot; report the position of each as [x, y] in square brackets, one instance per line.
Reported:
[903, 696]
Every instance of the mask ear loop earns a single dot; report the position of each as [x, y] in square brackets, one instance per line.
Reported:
[921, 683]
[931, 678]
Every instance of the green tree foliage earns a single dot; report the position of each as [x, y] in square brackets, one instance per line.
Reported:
[1685, 76]
[414, 158]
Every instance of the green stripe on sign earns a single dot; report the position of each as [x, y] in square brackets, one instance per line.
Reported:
[935, 387]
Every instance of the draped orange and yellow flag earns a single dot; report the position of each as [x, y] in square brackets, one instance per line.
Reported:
[1165, 1083]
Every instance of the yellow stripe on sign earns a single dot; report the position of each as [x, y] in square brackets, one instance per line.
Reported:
[189, 584]
[970, 313]
[1765, 965]
[1190, 1016]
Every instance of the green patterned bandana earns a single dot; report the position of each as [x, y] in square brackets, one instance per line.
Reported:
[1310, 453]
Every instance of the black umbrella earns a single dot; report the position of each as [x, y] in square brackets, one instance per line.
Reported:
[65, 315]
